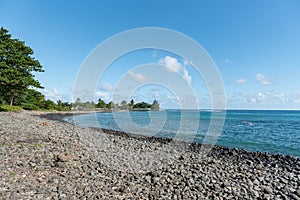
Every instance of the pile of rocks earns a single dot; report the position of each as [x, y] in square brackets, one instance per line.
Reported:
[48, 159]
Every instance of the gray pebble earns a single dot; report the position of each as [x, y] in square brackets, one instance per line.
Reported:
[47, 159]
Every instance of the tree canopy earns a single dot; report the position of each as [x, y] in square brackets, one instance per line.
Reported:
[147, 106]
[124, 105]
[16, 67]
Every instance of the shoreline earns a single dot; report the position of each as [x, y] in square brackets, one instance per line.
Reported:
[195, 147]
[41, 157]
[61, 115]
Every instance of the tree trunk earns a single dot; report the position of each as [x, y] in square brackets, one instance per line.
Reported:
[11, 100]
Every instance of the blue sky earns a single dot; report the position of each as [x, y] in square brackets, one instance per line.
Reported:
[255, 45]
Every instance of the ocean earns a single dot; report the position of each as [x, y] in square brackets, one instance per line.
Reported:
[275, 132]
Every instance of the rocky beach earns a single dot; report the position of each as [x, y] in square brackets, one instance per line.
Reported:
[42, 157]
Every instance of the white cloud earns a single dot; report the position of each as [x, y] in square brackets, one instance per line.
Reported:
[172, 98]
[173, 65]
[107, 87]
[138, 77]
[265, 100]
[262, 79]
[105, 96]
[55, 95]
[241, 81]
[187, 62]
[256, 98]
[186, 75]
[261, 97]
[154, 95]
[227, 60]
[253, 100]
[170, 63]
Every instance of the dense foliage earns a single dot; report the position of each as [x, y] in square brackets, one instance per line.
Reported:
[144, 105]
[78, 105]
[18, 84]
[17, 79]
[16, 68]
[8, 108]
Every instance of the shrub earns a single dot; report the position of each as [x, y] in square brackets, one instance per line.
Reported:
[8, 108]
[28, 106]
[47, 105]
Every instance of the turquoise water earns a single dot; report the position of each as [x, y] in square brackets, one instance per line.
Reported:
[276, 132]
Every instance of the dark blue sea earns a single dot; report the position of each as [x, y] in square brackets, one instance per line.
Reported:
[276, 132]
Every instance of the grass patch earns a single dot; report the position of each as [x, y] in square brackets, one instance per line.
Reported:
[12, 173]
[34, 146]
[39, 145]
[8, 108]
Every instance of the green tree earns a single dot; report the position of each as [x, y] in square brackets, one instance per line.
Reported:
[59, 103]
[16, 67]
[78, 101]
[89, 105]
[155, 105]
[47, 105]
[34, 100]
[63, 106]
[111, 105]
[131, 104]
[142, 105]
[66, 106]
[123, 105]
[31, 100]
[101, 104]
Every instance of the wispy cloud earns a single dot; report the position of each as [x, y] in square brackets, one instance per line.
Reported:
[55, 95]
[240, 81]
[187, 62]
[105, 96]
[139, 77]
[107, 87]
[262, 100]
[261, 96]
[172, 98]
[256, 98]
[186, 75]
[262, 79]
